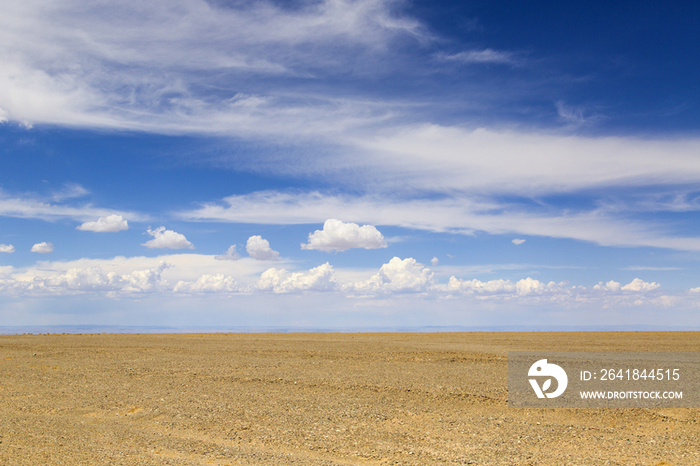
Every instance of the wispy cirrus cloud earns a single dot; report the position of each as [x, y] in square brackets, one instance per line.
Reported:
[481, 56]
[656, 269]
[187, 67]
[40, 207]
[461, 215]
[191, 66]
[69, 191]
[576, 115]
[527, 163]
[153, 66]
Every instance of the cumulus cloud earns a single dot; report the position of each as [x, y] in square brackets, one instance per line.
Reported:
[339, 236]
[529, 285]
[640, 285]
[637, 286]
[229, 255]
[476, 286]
[320, 278]
[609, 286]
[42, 248]
[197, 274]
[518, 241]
[259, 248]
[109, 224]
[7, 248]
[208, 284]
[185, 267]
[608, 295]
[434, 261]
[169, 239]
[526, 286]
[91, 279]
[402, 276]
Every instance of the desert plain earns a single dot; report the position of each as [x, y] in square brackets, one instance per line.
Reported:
[316, 399]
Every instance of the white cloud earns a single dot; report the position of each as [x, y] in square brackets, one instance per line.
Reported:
[481, 56]
[91, 67]
[609, 286]
[339, 236]
[529, 291]
[91, 279]
[524, 287]
[208, 284]
[146, 280]
[640, 285]
[78, 66]
[320, 278]
[186, 266]
[195, 274]
[495, 161]
[529, 285]
[637, 286]
[518, 241]
[42, 248]
[434, 261]
[109, 224]
[7, 248]
[104, 76]
[575, 115]
[229, 255]
[270, 279]
[121, 276]
[476, 286]
[70, 191]
[402, 276]
[463, 215]
[657, 269]
[169, 239]
[259, 248]
[37, 207]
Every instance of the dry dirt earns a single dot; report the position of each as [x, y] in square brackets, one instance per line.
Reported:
[315, 399]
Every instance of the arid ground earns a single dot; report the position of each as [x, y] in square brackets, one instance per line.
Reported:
[315, 399]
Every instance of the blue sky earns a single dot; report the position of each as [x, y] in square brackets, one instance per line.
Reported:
[339, 164]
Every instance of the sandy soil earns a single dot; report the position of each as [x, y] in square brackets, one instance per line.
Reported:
[315, 399]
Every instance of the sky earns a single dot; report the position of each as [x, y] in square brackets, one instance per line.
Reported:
[349, 164]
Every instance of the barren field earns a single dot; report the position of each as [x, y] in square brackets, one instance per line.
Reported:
[315, 399]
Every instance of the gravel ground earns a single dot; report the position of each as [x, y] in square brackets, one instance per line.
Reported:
[315, 399]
